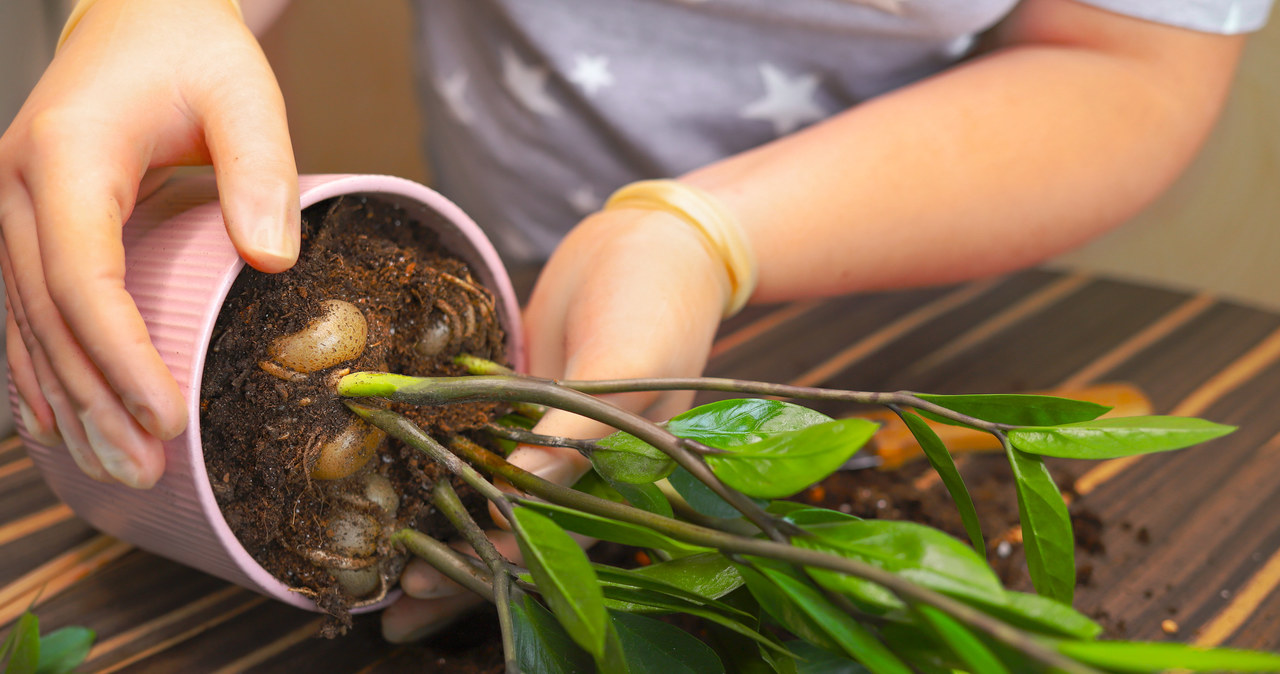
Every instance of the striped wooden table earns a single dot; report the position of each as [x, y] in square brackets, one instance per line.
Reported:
[1190, 536]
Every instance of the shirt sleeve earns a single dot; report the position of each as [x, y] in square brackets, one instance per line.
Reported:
[1227, 17]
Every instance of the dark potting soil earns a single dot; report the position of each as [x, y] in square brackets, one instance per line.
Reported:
[261, 432]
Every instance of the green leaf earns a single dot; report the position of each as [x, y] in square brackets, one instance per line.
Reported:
[1046, 527]
[742, 421]
[607, 529]
[971, 651]
[785, 463]
[1014, 409]
[804, 516]
[1128, 656]
[1112, 438]
[61, 651]
[945, 465]
[707, 574]
[814, 660]
[654, 647]
[851, 637]
[622, 457]
[542, 645]
[1043, 615]
[700, 497]
[22, 646]
[915, 552]
[661, 592]
[646, 497]
[565, 578]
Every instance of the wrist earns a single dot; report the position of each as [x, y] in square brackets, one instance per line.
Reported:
[82, 7]
[715, 228]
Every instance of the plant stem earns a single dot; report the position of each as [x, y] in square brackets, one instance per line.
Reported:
[399, 427]
[526, 437]
[446, 499]
[437, 390]
[733, 544]
[725, 385]
[448, 561]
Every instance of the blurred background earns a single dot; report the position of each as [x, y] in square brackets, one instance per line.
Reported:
[347, 76]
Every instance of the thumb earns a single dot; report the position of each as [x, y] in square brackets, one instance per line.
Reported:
[247, 134]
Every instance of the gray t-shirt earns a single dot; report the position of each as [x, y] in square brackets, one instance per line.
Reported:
[536, 110]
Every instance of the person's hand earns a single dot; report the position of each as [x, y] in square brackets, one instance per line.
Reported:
[627, 294]
[139, 84]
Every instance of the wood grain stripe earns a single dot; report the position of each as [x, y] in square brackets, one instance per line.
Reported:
[272, 649]
[32, 523]
[878, 339]
[1166, 325]
[766, 323]
[15, 467]
[51, 578]
[1251, 594]
[185, 635]
[10, 443]
[154, 625]
[1238, 372]
[1029, 306]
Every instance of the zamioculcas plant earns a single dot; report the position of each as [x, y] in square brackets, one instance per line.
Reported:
[780, 586]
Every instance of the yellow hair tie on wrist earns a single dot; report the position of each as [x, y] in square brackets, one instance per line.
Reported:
[83, 6]
[721, 232]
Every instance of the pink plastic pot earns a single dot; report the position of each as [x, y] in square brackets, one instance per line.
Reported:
[180, 266]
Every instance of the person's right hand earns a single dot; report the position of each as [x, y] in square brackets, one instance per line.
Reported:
[140, 84]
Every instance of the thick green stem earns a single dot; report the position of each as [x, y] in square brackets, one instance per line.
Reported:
[446, 499]
[734, 544]
[440, 390]
[448, 561]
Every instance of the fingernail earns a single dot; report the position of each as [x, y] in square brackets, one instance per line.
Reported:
[145, 417]
[79, 453]
[41, 433]
[273, 238]
[115, 460]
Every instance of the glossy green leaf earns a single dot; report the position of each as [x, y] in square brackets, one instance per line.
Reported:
[622, 457]
[742, 421]
[707, 574]
[1042, 615]
[945, 465]
[918, 553]
[805, 515]
[1015, 409]
[703, 590]
[853, 638]
[1046, 527]
[631, 600]
[61, 651]
[1112, 438]
[607, 529]
[22, 646]
[654, 647]
[1128, 656]
[785, 463]
[960, 641]
[700, 497]
[542, 645]
[565, 578]
[646, 497]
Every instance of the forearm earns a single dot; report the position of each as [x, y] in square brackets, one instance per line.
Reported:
[989, 167]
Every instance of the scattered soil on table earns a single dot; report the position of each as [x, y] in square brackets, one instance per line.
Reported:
[261, 432]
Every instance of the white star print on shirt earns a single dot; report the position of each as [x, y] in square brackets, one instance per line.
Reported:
[454, 91]
[528, 83]
[788, 102]
[591, 73]
[584, 201]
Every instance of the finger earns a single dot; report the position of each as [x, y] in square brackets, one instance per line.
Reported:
[37, 418]
[91, 301]
[247, 135]
[412, 619]
[82, 184]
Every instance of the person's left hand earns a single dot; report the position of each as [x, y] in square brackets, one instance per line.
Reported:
[628, 293]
